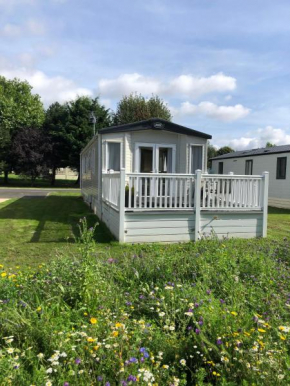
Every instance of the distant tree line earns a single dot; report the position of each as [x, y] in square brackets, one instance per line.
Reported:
[36, 142]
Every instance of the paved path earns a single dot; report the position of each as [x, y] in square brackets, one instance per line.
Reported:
[22, 192]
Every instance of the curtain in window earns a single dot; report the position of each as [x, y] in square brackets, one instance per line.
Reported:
[196, 158]
[114, 153]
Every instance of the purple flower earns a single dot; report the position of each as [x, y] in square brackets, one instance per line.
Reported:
[208, 291]
[200, 322]
[189, 328]
[124, 383]
[197, 331]
[66, 384]
[107, 384]
[77, 361]
[196, 305]
[128, 304]
[133, 360]
[219, 341]
[132, 378]
[142, 349]
[99, 378]
[222, 301]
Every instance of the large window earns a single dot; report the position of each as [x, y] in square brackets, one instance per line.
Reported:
[281, 168]
[221, 168]
[154, 158]
[114, 156]
[249, 167]
[196, 158]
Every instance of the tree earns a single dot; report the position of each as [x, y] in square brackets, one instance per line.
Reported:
[269, 144]
[55, 128]
[224, 150]
[18, 108]
[211, 152]
[134, 108]
[28, 153]
[79, 129]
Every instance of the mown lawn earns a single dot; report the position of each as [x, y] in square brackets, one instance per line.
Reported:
[33, 230]
[15, 181]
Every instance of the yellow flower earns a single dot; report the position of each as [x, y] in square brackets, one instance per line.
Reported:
[3, 274]
[85, 313]
[282, 337]
[1, 266]
[93, 320]
[95, 348]
[90, 340]
[234, 313]
[261, 330]
[38, 309]
[115, 333]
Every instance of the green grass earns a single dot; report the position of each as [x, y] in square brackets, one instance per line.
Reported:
[33, 230]
[278, 223]
[15, 181]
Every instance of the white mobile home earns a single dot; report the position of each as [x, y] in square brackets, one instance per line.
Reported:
[275, 159]
[147, 181]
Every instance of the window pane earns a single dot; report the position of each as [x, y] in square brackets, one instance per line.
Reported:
[114, 155]
[249, 167]
[146, 160]
[281, 168]
[165, 160]
[196, 158]
[221, 168]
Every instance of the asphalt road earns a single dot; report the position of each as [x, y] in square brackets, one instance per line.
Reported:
[31, 193]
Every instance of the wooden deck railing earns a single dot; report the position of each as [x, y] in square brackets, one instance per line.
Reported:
[111, 189]
[184, 191]
[231, 192]
[160, 191]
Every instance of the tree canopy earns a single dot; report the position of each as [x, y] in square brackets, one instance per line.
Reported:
[269, 144]
[18, 108]
[28, 153]
[79, 129]
[224, 150]
[135, 107]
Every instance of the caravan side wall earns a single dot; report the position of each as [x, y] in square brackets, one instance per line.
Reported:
[90, 181]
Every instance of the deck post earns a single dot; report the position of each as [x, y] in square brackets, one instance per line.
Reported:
[197, 204]
[122, 205]
[265, 202]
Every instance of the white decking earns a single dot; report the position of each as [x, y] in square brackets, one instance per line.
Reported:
[180, 207]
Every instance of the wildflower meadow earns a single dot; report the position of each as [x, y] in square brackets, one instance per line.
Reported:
[211, 313]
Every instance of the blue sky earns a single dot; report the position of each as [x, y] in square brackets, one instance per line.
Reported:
[223, 66]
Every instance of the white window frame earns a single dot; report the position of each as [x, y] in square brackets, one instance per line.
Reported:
[190, 156]
[155, 161]
[106, 158]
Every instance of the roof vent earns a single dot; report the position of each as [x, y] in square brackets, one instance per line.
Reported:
[158, 125]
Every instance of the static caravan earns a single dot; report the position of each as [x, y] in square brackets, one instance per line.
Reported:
[276, 160]
[148, 182]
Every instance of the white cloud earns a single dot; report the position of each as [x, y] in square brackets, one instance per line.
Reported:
[257, 139]
[128, 83]
[195, 87]
[10, 30]
[211, 110]
[180, 86]
[51, 89]
[35, 27]
[32, 27]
